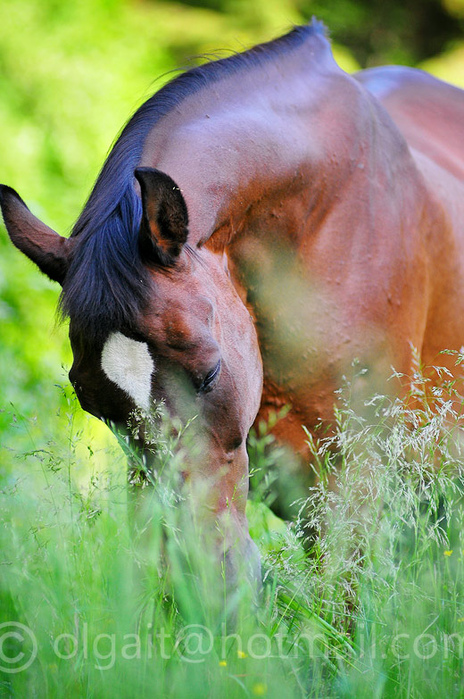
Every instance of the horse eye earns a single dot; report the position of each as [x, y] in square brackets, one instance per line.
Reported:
[208, 381]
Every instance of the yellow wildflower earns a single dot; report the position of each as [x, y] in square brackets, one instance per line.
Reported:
[259, 689]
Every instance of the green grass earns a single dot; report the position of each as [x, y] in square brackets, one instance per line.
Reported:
[376, 607]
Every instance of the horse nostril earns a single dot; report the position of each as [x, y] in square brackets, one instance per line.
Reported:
[236, 443]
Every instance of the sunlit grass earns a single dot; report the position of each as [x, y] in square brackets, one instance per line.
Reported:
[372, 607]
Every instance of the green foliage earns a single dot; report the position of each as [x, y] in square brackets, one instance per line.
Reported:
[377, 32]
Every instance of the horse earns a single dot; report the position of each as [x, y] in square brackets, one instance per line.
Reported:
[261, 221]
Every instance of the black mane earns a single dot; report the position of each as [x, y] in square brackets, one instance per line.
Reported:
[106, 285]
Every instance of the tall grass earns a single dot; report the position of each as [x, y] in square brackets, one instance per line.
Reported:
[371, 606]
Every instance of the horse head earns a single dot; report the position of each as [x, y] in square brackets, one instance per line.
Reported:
[190, 345]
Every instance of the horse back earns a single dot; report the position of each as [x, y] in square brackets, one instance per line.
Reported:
[428, 112]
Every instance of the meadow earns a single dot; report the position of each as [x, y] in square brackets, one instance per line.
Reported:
[91, 607]
[372, 606]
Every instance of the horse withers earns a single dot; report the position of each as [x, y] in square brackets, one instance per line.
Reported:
[262, 206]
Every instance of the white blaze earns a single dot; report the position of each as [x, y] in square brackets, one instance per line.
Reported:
[128, 364]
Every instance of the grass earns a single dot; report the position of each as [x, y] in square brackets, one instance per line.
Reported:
[374, 609]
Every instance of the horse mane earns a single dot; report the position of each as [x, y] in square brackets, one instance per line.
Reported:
[107, 284]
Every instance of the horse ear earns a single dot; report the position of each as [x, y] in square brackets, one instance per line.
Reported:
[164, 226]
[41, 244]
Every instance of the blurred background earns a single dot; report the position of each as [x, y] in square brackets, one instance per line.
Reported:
[71, 73]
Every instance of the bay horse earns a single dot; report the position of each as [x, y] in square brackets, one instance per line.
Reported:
[264, 210]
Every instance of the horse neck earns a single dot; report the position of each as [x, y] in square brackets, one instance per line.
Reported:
[347, 199]
[295, 156]
[233, 142]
